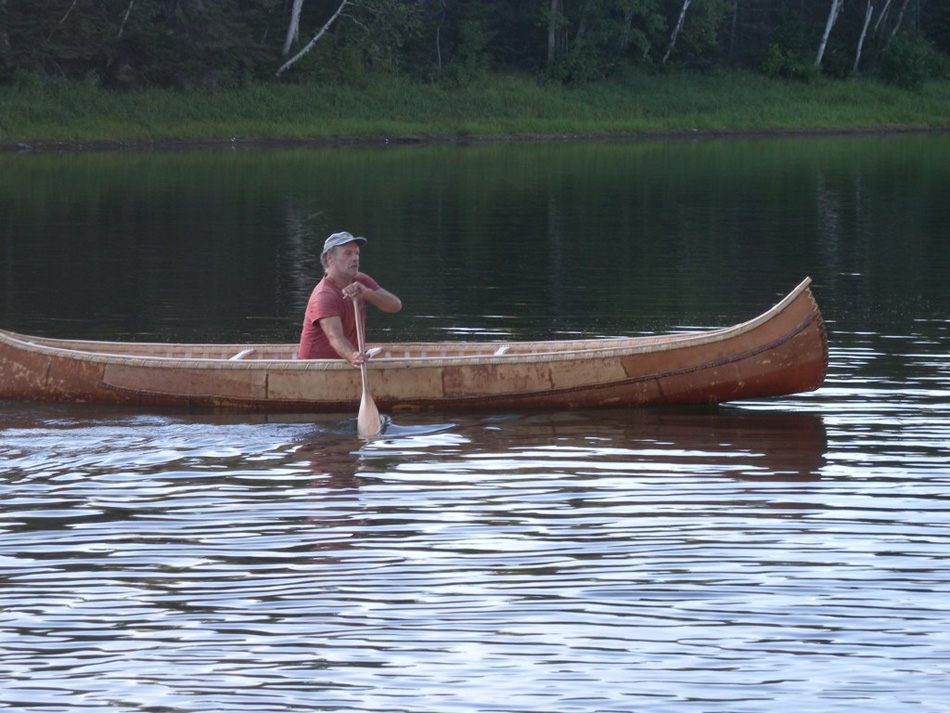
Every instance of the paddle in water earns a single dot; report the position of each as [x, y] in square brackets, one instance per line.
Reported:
[368, 423]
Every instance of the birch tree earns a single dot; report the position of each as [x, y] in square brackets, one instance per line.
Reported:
[868, 13]
[880, 18]
[316, 38]
[552, 30]
[438, 36]
[832, 19]
[900, 19]
[62, 20]
[125, 19]
[293, 29]
[676, 29]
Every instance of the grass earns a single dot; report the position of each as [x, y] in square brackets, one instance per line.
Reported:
[502, 106]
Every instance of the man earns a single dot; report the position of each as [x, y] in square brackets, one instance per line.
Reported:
[329, 325]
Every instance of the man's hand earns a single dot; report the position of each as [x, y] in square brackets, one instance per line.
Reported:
[380, 298]
[355, 291]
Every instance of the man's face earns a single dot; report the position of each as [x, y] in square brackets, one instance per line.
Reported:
[345, 259]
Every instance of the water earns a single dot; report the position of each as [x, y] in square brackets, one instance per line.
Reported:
[776, 555]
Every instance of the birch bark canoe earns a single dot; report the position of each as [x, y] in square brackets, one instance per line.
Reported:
[782, 351]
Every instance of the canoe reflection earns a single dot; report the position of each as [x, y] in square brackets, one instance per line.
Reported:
[334, 460]
[730, 441]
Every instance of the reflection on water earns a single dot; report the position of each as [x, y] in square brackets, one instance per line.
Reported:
[698, 559]
[524, 240]
[724, 440]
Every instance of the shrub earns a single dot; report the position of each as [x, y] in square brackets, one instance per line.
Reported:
[782, 63]
[908, 61]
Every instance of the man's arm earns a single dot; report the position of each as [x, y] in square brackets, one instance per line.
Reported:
[379, 298]
[333, 328]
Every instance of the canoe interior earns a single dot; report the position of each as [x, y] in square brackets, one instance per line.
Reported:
[401, 350]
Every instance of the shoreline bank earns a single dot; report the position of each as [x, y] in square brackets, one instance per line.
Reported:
[145, 145]
[675, 106]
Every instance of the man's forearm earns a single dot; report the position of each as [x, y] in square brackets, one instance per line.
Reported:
[383, 299]
[341, 345]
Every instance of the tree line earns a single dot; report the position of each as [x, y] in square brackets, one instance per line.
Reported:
[214, 43]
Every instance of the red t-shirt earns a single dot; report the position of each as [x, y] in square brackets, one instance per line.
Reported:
[327, 300]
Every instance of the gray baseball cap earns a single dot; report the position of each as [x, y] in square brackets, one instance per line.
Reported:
[340, 239]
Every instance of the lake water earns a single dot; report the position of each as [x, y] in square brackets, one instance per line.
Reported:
[777, 555]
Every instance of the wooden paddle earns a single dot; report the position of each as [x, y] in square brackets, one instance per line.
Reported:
[368, 423]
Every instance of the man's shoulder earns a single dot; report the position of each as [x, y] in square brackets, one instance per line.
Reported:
[325, 289]
[367, 280]
[326, 297]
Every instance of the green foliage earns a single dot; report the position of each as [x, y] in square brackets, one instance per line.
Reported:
[596, 37]
[783, 63]
[383, 31]
[465, 42]
[219, 44]
[164, 42]
[909, 61]
[700, 41]
[936, 25]
[577, 67]
[475, 36]
[641, 100]
[796, 31]
[647, 31]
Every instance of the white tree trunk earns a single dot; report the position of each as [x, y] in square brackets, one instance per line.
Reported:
[62, 20]
[676, 30]
[552, 30]
[293, 29]
[286, 65]
[880, 18]
[125, 19]
[864, 31]
[900, 19]
[832, 18]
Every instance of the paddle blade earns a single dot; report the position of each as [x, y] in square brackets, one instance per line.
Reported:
[368, 422]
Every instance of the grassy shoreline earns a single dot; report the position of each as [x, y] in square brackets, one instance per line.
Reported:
[60, 115]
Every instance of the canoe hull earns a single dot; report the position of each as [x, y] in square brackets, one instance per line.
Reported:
[783, 351]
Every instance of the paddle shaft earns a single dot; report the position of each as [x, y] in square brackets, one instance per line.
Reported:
[368, 422]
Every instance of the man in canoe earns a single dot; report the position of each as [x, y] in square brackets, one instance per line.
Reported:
[329, 325]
